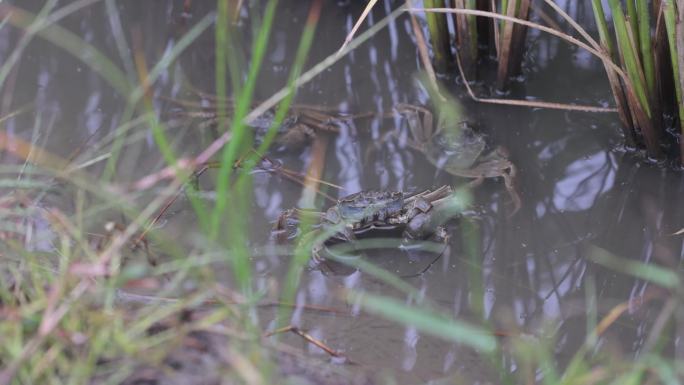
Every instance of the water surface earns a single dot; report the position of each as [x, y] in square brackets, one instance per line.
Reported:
[580, 189]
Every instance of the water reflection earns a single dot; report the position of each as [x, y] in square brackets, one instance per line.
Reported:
[531, 269]
[583, 182]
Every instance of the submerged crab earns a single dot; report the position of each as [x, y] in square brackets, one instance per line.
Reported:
[298, 128]
[459, 152]
[419, 216]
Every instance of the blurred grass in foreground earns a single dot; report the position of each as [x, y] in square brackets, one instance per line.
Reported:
[64, 320]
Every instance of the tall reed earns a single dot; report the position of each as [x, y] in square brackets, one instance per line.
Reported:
[645, 36]
[511, 42]
[508, 37]
[466, 36]
[439, 35]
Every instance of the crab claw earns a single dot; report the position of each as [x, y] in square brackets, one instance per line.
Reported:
[316, 253]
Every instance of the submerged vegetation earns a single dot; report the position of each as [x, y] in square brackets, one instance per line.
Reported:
[79, 243]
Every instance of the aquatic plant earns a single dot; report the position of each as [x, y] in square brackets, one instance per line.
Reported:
[647, 88]
[507, 38]
[645, 93]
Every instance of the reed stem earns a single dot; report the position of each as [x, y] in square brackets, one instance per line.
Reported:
[439, 35]
[512, 40]
[466, 36]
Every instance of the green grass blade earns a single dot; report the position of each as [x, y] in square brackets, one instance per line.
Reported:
[138, 92]
[655, 274]
[157, 128]
[323, 65]
[301, 255]
[604, 35]
[36, 25]
[76, 46]
[383, 275]
[616, 86]
[670, 17]
[158, 134]
[630, 55]
[427, 321]
[339, 255]
[119, 37]
[646, 45]
[170, 57]
[665, 369]
[300, 58]
[635, 376]
[221, 38]
[633, 20]
[472, 241]
[240, 196]
[439, 34]
[42, 20]
[237, 143]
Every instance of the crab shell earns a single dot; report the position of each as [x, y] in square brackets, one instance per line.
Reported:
[364, 207]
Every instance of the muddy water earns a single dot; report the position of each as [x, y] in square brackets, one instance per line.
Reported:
[579, 189]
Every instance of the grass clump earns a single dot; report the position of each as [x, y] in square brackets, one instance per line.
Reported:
[641, 56]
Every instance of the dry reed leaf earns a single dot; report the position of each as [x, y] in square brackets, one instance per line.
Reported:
[243, 366]
[519, 34]
[364, 14]
[530, 24]
[298, 178]
[26, 151]
[598, 53]
[466, 41]
[621, 103]
[497, 34]
[573, 23]
[505, 45]
[643, 121]
[30, 152]
[527, 103]
[546, 18]
[236, 11]
[89, 270]
[314, 172]
[620, 309]
[15, 112]
[461, 21]
[308, 338]
[611, 317]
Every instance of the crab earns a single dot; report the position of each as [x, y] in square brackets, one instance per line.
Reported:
[459, 151]
[418, 216]
[299, 127]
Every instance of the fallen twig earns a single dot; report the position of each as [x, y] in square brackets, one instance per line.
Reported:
[309, 338]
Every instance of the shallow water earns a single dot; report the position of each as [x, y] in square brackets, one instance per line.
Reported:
[580, 190]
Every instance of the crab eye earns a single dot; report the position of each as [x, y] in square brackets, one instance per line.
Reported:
[332, 215]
